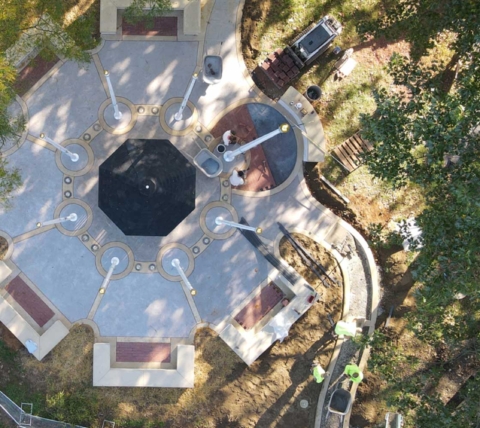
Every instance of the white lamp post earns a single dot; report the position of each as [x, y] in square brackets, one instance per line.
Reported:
[73, 156]
[117, 113]
[176, 265]
[179, 113]
[219, 221]
[114, 263]
[70, 217]
[231, 155]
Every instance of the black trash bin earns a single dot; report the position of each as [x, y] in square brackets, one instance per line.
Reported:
[313, 94]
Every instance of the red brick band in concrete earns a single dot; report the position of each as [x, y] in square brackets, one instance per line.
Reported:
[143, 352]
[259, 306]
[162, 26]
[28, 300]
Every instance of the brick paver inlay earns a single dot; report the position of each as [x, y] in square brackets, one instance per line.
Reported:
[259, 306]
[141, 352]
[29, 301]
[161, 26]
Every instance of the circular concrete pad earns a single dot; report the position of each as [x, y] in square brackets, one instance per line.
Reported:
[82, 161]
[123, 122]
[170, 255]
[118, 252]
[82, 217]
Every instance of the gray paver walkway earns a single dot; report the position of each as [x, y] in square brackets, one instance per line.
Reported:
[145, 306]
[38, 196]
[61, 267]
[66, 104]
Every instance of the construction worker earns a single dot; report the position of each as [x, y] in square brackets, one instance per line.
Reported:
[353, 372]
[318, 373]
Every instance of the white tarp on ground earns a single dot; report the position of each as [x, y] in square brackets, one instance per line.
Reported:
[411, 234]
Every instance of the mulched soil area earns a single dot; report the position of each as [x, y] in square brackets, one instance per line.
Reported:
[34, 71]
[159, 26]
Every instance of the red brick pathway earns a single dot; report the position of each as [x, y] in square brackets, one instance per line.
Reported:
[259, 176]
[162, 26]
[259, 306]
[29, 301]
[33, 72]
[143, 352]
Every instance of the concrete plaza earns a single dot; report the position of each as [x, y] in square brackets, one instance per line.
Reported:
[62, 266]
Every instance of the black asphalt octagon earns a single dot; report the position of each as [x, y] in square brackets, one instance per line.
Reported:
[146, 187]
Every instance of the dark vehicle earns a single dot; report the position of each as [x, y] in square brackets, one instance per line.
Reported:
[313, 41]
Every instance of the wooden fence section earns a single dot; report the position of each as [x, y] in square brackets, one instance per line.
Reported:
[349, 152]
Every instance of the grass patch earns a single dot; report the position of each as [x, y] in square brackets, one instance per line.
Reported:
[6, 354]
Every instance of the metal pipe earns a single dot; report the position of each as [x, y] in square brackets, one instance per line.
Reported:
[70, 217]
[219, 221]
[114, 263]
[117, 113]
[73, 156]
[231, 155]
[179, 113]
[176, 265]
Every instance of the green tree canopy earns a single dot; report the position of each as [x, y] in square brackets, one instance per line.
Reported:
[429, 134]
[140, 10]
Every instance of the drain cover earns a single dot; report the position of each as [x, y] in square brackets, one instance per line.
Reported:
[303, 404]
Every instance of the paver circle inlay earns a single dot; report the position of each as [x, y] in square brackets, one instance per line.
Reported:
[170, 252]
[183, 123]
[120, 250]
[177, 127]
[112, 125]
[211, 217]
[211, 212]
[119, 253]
[82, 161]
[123, 122]
[81, 217]
[84, 217]
[85, 160]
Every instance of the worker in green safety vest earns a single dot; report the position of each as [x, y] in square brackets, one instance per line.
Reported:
[353, 372]
[343, 328]
[318, 373]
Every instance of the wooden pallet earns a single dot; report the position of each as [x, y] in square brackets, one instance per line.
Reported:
[348, 153]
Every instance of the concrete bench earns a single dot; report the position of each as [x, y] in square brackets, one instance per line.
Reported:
[181, 377]
[191, 15]
[23, 331]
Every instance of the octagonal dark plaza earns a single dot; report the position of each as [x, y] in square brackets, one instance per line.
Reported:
[147, 187]
[130, 237]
